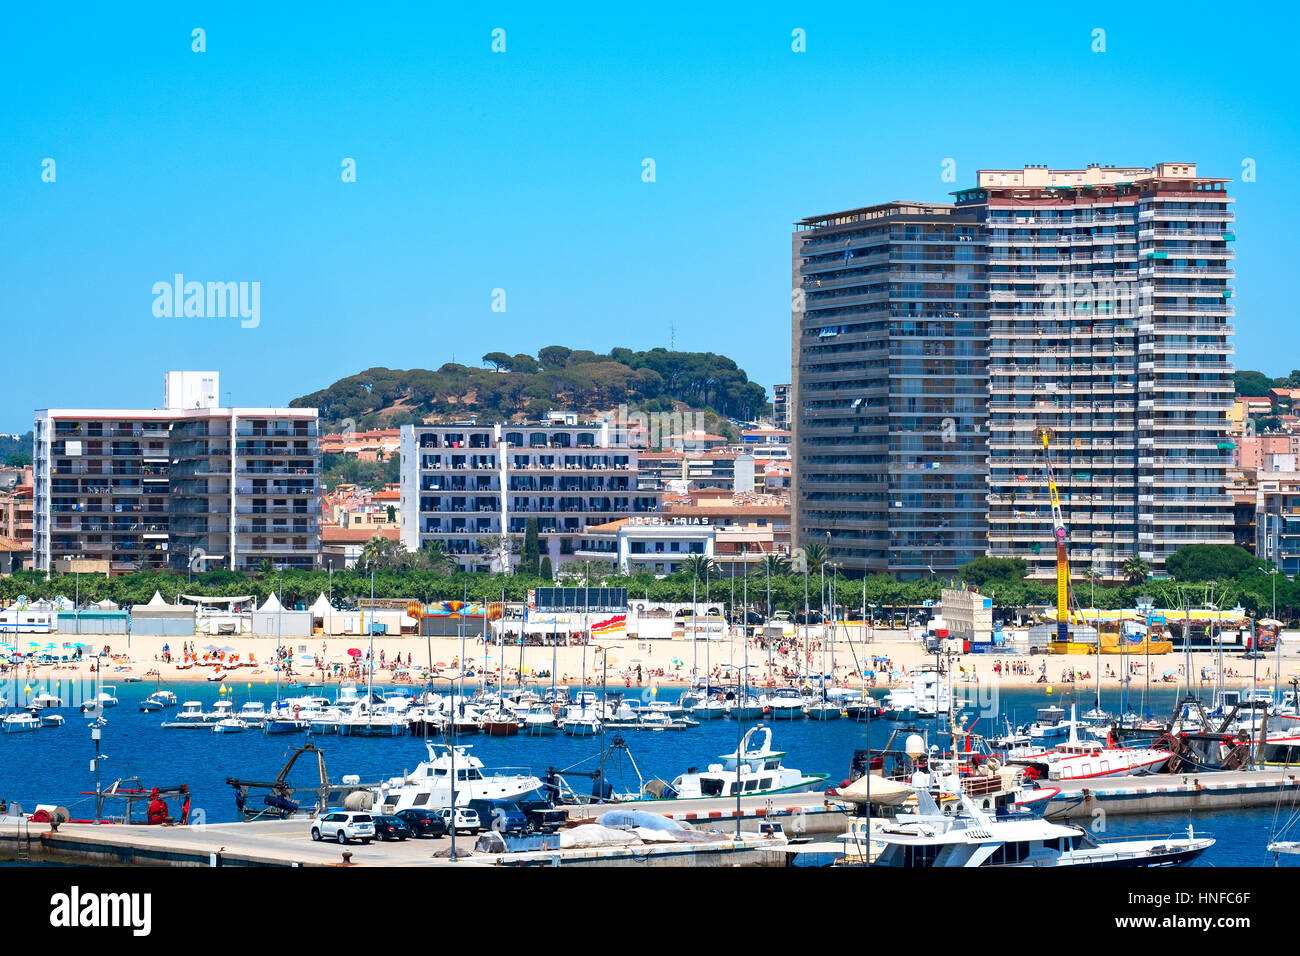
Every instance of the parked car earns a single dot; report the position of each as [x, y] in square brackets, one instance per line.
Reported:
[547, 820]
[467, 820]
[424, 822]
[391, 828]
[1255, 656]
[502, 817]
[344, 825]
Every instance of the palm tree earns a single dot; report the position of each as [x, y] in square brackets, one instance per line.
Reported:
[775, 565]
[434, 557]
[699, 567]
[1135, 570]
[815, 555]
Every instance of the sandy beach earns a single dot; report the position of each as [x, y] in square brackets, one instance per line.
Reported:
[890, 657]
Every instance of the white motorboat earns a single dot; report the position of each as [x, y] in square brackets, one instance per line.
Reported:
[1051, 724]
[429, 786]
[105, 698]
[373, 718]
[229, 725]
[156, 702]
[785, 704]
[50, 719]
[192, 715]
[540, 720]
[710, 709]
[253, 713]
[45, 699]
[825, 710]
[20, 722]
[753, 771]
[972, 837]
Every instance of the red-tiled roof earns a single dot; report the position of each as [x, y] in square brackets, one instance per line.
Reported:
[331, 534]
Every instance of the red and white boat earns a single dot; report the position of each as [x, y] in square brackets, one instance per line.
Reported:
[1086, 760]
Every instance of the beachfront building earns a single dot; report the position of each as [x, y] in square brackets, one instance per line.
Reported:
[1109, 310]
[935, 341]
[890, 388]
[650, 544]
[1277, 521]
[189, 485]
[464, 484]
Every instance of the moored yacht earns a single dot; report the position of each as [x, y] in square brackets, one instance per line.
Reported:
[973, 837]
[785, 704]
[752, 771]
[429, 786]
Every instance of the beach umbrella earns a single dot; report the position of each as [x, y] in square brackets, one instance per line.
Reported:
[354, 652]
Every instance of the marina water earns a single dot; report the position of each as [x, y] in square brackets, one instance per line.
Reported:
[52, 765]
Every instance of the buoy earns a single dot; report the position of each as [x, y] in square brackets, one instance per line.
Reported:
[1049, 690]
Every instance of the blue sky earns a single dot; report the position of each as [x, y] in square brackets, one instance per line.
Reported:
[522, 171]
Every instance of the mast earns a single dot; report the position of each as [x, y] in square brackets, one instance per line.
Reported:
[370, 672]
[279, 661]
[1063, 613]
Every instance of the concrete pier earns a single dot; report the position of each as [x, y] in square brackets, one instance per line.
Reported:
[1173, 793]
[287, 843]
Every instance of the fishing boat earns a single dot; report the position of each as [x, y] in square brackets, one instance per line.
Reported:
[751, 770]
[429, 786]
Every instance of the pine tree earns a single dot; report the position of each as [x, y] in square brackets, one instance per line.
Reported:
[546, 568]
[532, 549]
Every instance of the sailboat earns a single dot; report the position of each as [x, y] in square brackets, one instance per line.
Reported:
[285, 715]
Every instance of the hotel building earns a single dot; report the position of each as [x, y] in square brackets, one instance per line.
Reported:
[460, 483]
[189, 485]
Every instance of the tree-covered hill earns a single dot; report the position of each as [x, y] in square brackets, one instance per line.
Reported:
[522, 386]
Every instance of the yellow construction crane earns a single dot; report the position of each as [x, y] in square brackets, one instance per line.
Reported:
[1065, 613]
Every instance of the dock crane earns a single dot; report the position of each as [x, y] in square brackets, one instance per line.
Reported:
[1065, 615]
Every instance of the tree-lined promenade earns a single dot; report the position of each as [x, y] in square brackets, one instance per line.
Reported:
[1222, 576]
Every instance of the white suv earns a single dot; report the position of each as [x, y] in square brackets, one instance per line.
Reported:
[467, 820]
[344, 825]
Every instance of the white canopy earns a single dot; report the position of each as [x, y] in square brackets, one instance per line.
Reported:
[241, 599]
[322, 607]
[272, 605]
[157, 600]
[106, 605]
